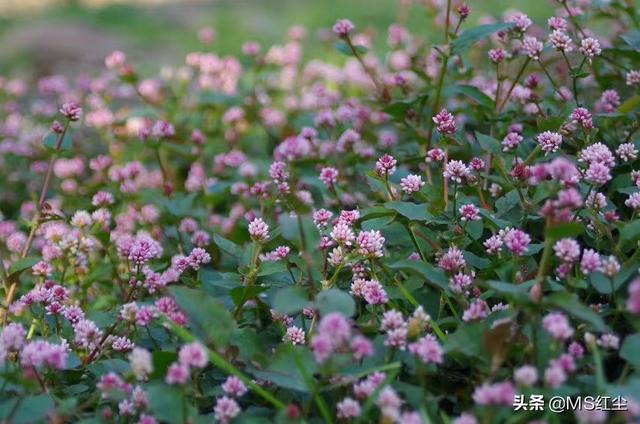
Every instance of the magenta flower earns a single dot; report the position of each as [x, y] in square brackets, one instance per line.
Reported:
[411, 183]
[343, 28]
[258, 230]
[445, 122]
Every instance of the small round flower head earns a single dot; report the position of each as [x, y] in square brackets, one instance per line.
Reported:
[494, 394]
[497, 55]
[72, 111]
[177, 374]
[554, 376]
[386, 165]
[115, 59]
[452, 260]
[12, 337]
[374, 293]
[582, 117]
[140, 362]
[258, 230]
[343, 234]
[532, 47]
[560, 41]
[391, 320]
[549, 141]
[435, 155]
[590, 261]
[411, 183]
[233, 386]
[557, 324]
[463, 10]
[521, 21]
[329, 176]
[465, 418]
[597, 201]
[567, 250]
[633, 302]
[633, 77]
[335, 326]
[163, 129]
[361, 347]
[469, 212]
[590, 47]
[193, 355]
[322, 347]
[476, 311]
[526, 375]
[517, 241]
[633, 201]
[348, 408]
[511, 141]
[493, 244]
[427, 349]
[370, 243]
[627, 152]
[294, 335]
[445, 122]
[278, 172]
[343, 28]
[557, 23]
[477, 164]
[321, 218]
[456, 171]
[226, 409]
[598, 173]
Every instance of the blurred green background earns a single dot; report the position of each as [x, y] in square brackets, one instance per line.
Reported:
[44, 36]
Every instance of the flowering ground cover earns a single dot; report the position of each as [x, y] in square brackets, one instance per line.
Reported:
[432, 234]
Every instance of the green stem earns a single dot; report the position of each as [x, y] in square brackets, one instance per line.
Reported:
[513, 85]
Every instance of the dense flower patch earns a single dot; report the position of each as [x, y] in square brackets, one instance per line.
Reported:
[420, 236]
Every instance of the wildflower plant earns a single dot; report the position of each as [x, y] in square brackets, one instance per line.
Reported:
[413, 235]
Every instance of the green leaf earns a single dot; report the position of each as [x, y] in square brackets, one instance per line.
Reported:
[567, 229]
[600, 282]
[519, 292]
[472, 92]
[344, 48]
[398, 110]
[475, 260]
[33, 409]
[475, 229]
[630, 233]
[468, 340]
[211, 98]
[630, 349]
[228, 246]
[471, 36]
[166, 402]
[208, 317]
[335, 300]
[284, 373]
[572, 305]
[411, 211]
[241, 294]
[22, 264]
[632, 38]
[180, 205]
[271, 267]
[630, 104]
[489, 144]
[161, 361]
[435, 277]
[290, 300]
[51, 140]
